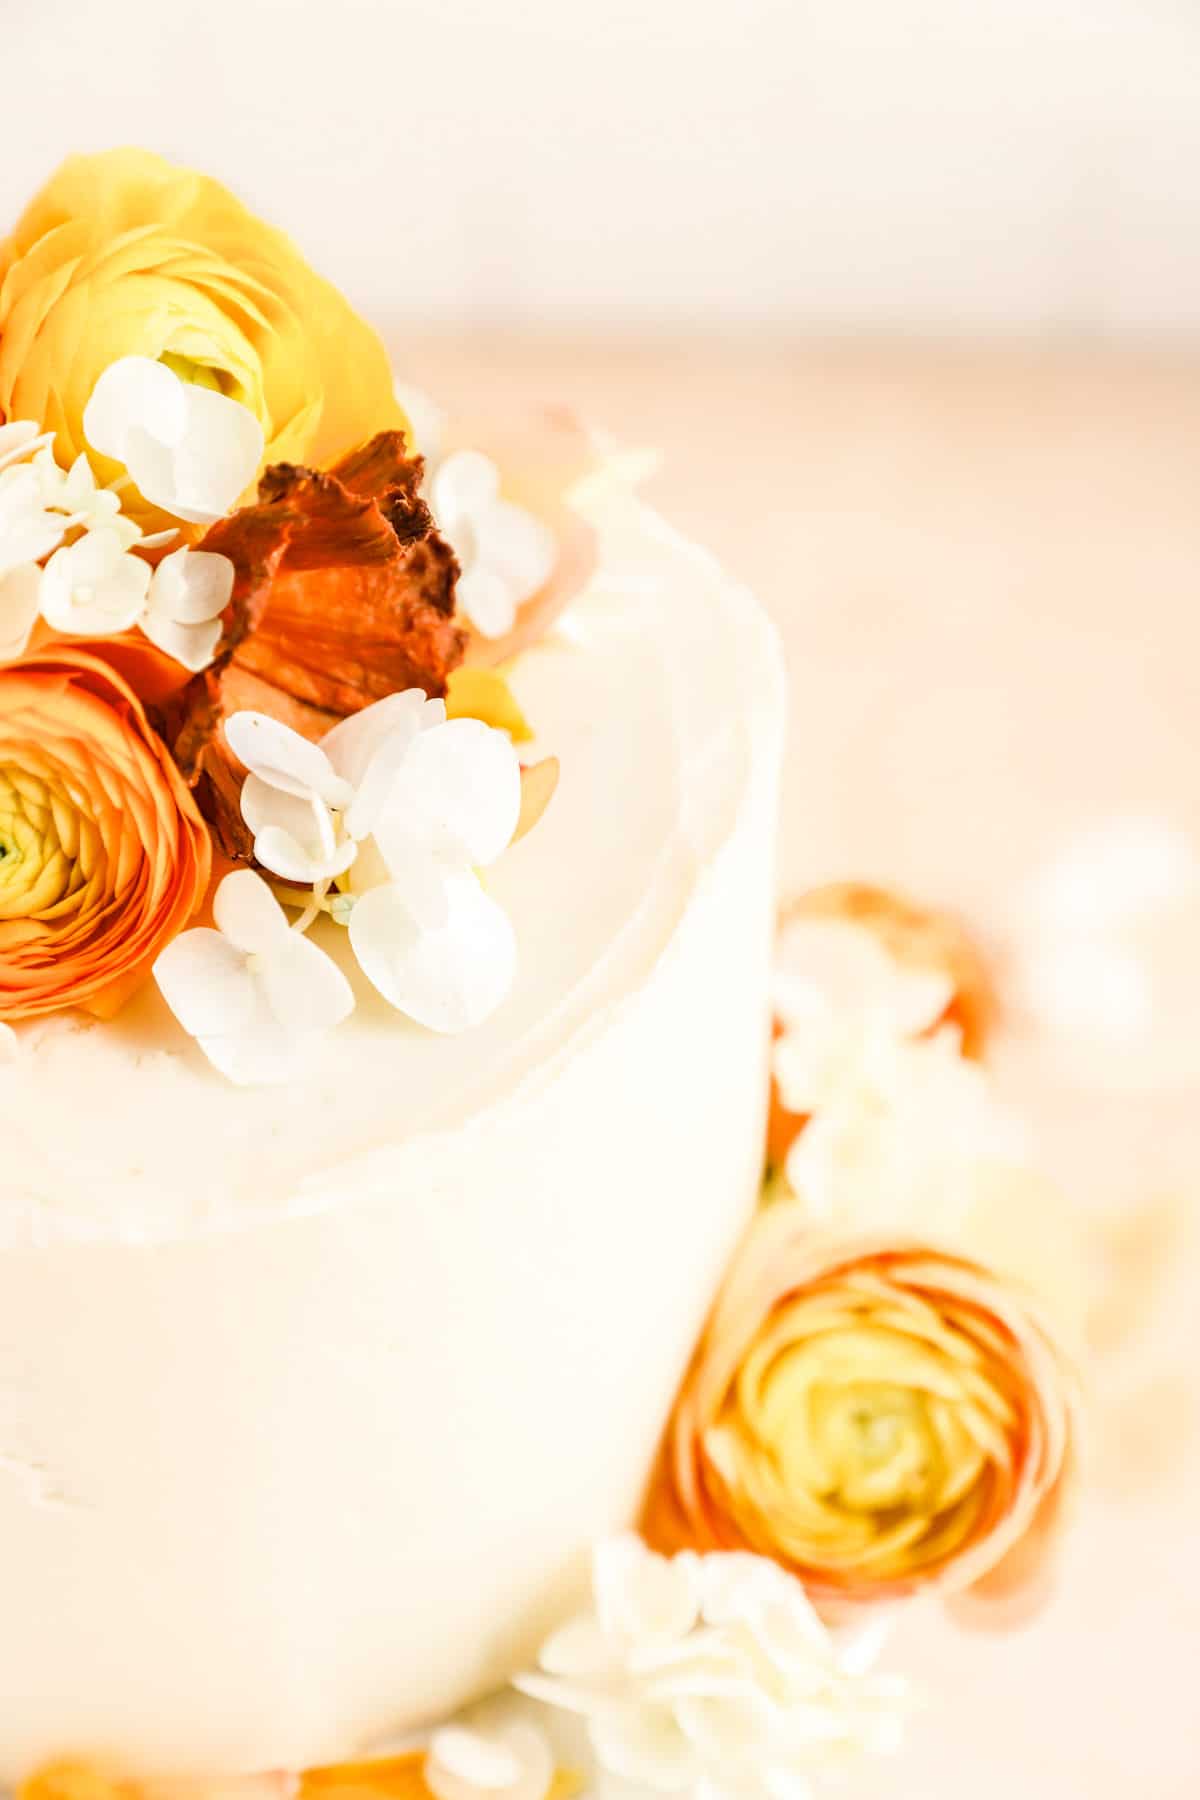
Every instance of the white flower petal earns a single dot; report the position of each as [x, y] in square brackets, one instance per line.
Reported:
[488, 600]
[93, 587]
[304, 988]
[157, 540]
[290, 859]
[27, 534]
[193, 646]
[204, 980]
[517, 545]
[284, 759]
[580, 1647]
[217, 458]
[293, 837]
[642, 1597]
[463, 484]
[449, 979]
[134, 394]
[10, 1045]
[354, 741]
[20, 602]
[456, 797]
[509, 1759]
[248, 914]
[643, 1744]
[191, 587]
[21, 438]
[426, 418]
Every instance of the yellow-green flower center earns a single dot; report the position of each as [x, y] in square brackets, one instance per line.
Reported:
[202, 374]
[51, 858]
[864, 1431]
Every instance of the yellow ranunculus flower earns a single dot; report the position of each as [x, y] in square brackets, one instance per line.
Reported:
[123, 254]
[877, 1416]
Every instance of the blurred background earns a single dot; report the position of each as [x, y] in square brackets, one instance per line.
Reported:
[925, 165]
[907, 293]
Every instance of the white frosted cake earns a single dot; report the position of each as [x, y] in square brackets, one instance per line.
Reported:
[430, 1309]
[316, 1395]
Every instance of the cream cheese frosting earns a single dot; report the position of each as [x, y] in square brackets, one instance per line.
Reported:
[313, 1398]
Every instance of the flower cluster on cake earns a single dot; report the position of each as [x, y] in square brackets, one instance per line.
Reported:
[257, 619]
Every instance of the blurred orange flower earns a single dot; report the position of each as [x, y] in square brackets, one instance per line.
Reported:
[103, 854]
[879, 1417]
[920, 940]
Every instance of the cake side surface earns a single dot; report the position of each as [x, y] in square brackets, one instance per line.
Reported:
[304, 1442]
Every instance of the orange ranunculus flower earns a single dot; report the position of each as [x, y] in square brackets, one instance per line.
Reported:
[879, 1417]
[123, 254]
[103, 854]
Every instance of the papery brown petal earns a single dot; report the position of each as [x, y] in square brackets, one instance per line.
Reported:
[343, 594]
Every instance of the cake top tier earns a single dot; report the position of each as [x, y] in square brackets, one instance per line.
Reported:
[649, 697]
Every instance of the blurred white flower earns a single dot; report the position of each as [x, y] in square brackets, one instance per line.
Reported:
[904, 1133]
[489, 1757]
[253, 992]
[898, 1120]
[714, 1676]
[190, 450]
[401, 807]
[505, 552]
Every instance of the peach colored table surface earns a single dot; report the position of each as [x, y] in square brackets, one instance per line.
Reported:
[985, 568]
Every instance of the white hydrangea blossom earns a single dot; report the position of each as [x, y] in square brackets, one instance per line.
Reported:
[713, 1676]
[70, 555]
[252, 992]
[400, 807]
[489, 1755]
[900, 1121]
